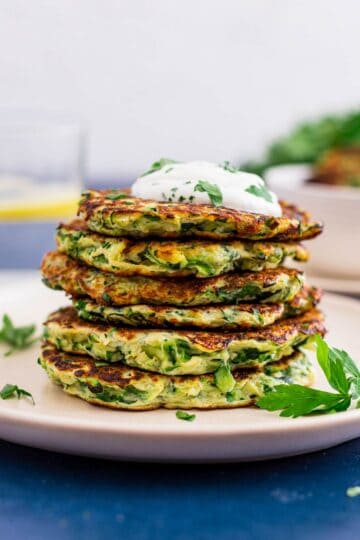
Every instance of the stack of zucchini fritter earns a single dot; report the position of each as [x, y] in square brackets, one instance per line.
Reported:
[178, 305]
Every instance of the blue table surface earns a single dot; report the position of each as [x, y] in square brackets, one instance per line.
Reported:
[49, 495]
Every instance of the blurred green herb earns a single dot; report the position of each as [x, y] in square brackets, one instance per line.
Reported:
[157, 165]
[226, 165]
[183, 415]
[116, 195]
[212, 190]
[19, 337]
[260, 191]
[11, 390]
[309, 140]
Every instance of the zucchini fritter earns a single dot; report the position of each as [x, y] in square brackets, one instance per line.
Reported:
[200, 259]
[269, 286]
[120, 387]
[180, 352]
[137, 218]
[227, 317]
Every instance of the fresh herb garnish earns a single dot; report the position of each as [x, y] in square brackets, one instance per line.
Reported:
[224, 379]
[11, 390]
[115, 196]
[183, 415]
[295, 400]
[212, 190]
[353, 491]
[106, 297]
[260, 191]
[17, 337]
[157, 165]
[226, 165]
[309, 140]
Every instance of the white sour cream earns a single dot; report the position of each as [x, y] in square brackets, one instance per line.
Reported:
[179, 182]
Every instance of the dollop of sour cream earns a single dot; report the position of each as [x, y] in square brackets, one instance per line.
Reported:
[201, 182]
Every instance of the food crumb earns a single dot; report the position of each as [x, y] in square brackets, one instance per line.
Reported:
[353, 491]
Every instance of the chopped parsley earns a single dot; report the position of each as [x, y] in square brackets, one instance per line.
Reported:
[212, 190]
[157, 165]
[11, 390]
[295, 400]
[224, 379]
[260, 191]
[106, 297]
[353, 491]
[183, 415]
[19, 337]
[226, 165]
[115, 196]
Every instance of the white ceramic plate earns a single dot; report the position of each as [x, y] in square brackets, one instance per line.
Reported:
[66, 424]
[350, 286]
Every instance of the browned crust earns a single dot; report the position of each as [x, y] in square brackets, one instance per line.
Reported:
[293, 224]
[307, 293]
[78, 279]
[308, 324]
[154, 406]
[122, 375]
[167, 246]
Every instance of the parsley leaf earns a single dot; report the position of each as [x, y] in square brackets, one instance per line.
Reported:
[260, 191]
[183, 415]
[212, 190]
[157, 165]
[295, 400]
[106, 297]
[117, 195]
[226, 165]
[10, 390]
[17, 337]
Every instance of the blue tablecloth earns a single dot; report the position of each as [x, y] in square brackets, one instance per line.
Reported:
[57, 497]
[47, 495]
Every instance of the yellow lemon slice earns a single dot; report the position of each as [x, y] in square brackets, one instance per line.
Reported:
[43, 210]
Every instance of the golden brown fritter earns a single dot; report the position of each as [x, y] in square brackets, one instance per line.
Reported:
[220, 316]
[269, 286]
[172, 258]
[138, 218]
[120, 387]
[180, 352]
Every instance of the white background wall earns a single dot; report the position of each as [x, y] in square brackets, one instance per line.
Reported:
[210, 79]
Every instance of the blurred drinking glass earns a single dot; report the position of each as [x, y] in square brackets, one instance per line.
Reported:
[41, 165]
[41, 178]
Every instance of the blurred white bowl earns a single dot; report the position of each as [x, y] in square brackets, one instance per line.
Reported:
[336, 252]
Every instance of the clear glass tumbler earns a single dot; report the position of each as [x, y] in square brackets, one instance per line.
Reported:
[42, 159]
[41, 165]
